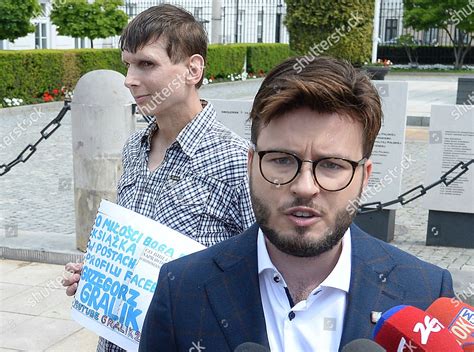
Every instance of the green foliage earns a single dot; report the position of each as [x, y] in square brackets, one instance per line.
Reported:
[27, 74]
[263, 57]
[223, 60]
[341, 29]
[15, 18]
[80, 19]
[95, 59]
[447, 15]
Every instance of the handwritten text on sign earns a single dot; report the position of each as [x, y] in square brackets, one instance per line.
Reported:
[124, 255]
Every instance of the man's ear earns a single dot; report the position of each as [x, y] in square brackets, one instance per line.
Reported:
[250, 156]
[195, 69]
[367, 172]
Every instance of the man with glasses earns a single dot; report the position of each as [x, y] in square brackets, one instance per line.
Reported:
[304, 277]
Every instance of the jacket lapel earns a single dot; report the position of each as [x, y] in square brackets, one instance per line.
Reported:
[371, 288]
[234, 294]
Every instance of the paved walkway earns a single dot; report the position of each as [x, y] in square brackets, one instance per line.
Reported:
[35, 312]
[37, 211]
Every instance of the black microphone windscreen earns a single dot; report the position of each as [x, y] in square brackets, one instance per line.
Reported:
[251, 347]
[363, 345]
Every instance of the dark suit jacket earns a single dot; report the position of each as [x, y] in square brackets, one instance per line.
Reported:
[212, 299]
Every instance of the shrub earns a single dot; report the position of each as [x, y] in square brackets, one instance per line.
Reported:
[342, 29]
[223, 60]
[263, 57]
[30, 74]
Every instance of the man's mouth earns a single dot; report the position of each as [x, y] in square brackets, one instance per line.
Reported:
[302, 216]
[141, 98]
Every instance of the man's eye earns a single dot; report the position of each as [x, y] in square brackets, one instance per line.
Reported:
[282, 161]
[327, 164]
[147, 64]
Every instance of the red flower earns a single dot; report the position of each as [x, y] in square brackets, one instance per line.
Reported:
[55, 91]
[47, 97]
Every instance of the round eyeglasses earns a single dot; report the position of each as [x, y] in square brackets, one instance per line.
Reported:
[331, 174]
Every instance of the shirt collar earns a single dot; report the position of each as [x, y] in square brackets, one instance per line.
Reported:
[339, 277]
[190, 136]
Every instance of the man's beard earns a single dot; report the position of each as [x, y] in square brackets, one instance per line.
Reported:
[301, 245]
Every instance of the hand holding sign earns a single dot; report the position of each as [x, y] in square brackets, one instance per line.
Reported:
[71, 281]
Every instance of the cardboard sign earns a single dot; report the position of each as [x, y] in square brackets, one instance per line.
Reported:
[124, 255]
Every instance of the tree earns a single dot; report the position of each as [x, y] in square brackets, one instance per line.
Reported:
[455, 17]
[326, 27]
[15, 17]
[410, 45]
[79, 19]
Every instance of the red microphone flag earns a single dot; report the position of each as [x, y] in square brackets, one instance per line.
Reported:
[406, 328]
[458, 318]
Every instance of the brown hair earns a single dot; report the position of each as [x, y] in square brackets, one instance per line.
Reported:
[323, 84]
[184, 35]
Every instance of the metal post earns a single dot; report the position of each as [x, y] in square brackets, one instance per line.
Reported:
[216, 22]
[236, 21]
[375, 33]
[102, 120]
[278, 22]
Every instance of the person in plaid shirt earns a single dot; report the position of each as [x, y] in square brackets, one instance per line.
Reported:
[185, 170]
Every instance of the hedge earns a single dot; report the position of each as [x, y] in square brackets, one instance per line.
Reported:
[28, 74]
[262, 58]
[427, 55]
[223, 60]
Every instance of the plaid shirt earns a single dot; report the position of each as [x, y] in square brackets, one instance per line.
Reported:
[200, 189]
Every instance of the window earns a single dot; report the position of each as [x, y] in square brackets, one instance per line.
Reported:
[79, 43]
[461, 36]
[198, 13]
[41, 40]
[44, 11]
[431, 36]
[130, 9]
[391, 29]
[240, 26]
[260, 26]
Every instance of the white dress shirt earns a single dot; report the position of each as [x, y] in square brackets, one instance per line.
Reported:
[314, 324]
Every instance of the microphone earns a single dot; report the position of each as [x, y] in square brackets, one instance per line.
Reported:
[251, 347]
[363, 345]
[458, 317]
[406, 328]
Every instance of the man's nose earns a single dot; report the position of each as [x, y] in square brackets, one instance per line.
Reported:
[305, 185]
[131, 79]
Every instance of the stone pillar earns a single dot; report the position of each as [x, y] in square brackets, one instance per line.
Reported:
[102, 120]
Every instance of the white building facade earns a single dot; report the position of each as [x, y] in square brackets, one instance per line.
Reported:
[239, 21]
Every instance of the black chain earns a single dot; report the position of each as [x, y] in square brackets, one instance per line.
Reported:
[45, 134]
[402, 199]
[363, 209]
